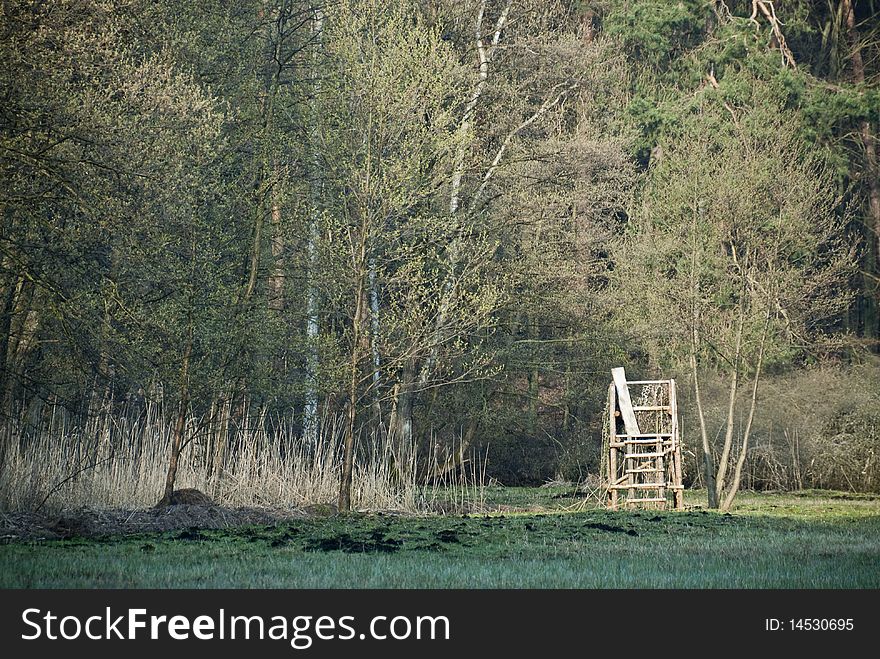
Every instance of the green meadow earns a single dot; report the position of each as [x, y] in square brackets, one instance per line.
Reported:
[539, 539]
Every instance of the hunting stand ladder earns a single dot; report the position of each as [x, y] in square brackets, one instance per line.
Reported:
[642, 446]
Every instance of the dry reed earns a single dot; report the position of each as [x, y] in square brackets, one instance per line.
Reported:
[119, 461]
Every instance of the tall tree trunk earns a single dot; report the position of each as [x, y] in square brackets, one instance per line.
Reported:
[566, 409]
[256, 247]
[179, 426]
[310, 406]
[221, 438]
[534, 378]
[23, 333]
[403, 427]
[743, 449]
[708, 458]
[374, 344]
[866, 132]
[277, 277]
[731, 405]
[465, 127]
[534, 335]
[358, 334]
[5, 341]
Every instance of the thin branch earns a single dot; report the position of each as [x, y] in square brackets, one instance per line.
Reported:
[69, 478]
[769, 11]
[541, 111]
[714, 82]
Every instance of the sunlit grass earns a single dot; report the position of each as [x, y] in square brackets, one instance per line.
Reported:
[769, 541]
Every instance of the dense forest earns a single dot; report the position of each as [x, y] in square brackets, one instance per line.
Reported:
[304, 251]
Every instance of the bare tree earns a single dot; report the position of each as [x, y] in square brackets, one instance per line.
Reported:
[739, 257]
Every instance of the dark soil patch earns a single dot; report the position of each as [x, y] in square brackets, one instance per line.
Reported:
[448, 535]
[283, 539]
[350, 545]
[610, 529]
[574, 494]
[829, 494]
[96, 524]
[191, 534]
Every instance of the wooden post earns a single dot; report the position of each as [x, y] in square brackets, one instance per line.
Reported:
[631, 425]
[660, 474]
[678, 493]
[612, 451]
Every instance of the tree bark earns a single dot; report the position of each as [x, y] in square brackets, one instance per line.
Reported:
[866, 133]
[22, 335]
[310, 405]
[403, 427]
[731, 407]
[484, 53]
[5, 341]
[534, 392]
[743, 450]
[277, 278]
[708, 458]
[344, 502]
[179, 427]
[374, 343]
[254, 264]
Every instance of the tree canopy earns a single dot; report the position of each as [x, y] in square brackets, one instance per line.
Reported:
[435, 224]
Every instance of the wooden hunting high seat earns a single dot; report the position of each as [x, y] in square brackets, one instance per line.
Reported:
[642, 447]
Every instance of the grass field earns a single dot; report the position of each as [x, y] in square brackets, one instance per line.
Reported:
[542, 539]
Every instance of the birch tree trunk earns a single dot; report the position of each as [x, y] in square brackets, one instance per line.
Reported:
[310, 406]
[743, 449]
[731, 406]
[708, 457]
[465, 127]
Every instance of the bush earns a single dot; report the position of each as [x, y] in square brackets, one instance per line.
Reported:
[814, 428]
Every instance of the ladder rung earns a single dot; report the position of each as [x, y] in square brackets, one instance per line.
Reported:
[638, 486]
[643, 470]
[644, 434]
[658, 499]
[643, 455]
[652, 408]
